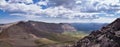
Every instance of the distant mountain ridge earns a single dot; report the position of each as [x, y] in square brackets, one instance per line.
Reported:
[88, 27]
[58, 27]
[84, 27]
[1, 24]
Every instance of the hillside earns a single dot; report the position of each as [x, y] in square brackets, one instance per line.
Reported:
[107, 36]
[25, 34]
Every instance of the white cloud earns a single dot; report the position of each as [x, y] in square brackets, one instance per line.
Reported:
[34, 10]
[68, 9]
[43, 2]
[103, 20]
[20, 1]
[63, 12]
[97, 5]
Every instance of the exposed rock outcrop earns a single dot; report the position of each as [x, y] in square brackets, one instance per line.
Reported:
[68, 28]
[108, 36]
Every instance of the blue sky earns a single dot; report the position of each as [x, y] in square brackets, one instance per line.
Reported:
[60, 11]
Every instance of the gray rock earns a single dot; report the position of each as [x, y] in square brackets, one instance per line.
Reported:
[108, 36]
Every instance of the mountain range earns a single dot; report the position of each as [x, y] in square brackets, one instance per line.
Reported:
[41, 34]
[30, 34]
[88, 27]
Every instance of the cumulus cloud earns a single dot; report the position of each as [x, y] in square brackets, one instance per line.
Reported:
[65, 3]
[20, 1]
[62, 12]
[103, 20]
[35, 10]
[43, 2]
[64, 9]
[98, 5]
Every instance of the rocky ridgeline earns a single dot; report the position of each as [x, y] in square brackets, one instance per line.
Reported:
[108, 36]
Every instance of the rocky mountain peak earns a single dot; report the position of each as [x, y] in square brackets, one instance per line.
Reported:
[108, 36]
[115, 25]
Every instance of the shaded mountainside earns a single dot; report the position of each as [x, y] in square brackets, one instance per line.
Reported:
[25, 34]
[107, 36]
[88, 27]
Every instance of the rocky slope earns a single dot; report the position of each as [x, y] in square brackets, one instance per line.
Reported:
[24, 34]
[108, 36]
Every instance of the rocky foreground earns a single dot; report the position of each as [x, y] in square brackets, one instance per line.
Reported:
[108, 36]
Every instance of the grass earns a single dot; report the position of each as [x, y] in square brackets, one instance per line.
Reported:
[44, 41]
[77, 35]
[66, 38]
